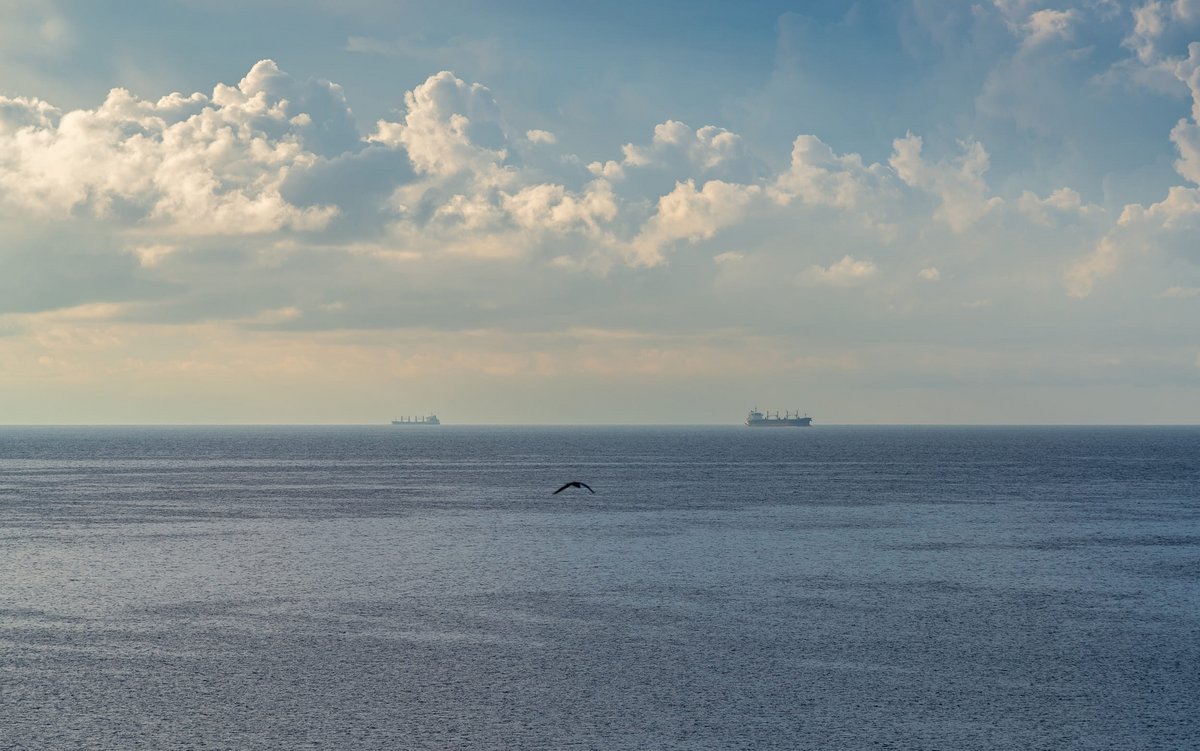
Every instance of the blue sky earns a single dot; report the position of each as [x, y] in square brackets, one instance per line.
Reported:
[600, 212]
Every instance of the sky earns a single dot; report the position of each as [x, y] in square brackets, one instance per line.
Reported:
[321, 211]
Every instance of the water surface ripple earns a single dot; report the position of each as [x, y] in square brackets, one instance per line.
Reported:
[726, 588]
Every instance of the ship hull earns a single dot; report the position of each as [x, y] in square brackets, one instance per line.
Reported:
[756, 419]
[793, 422]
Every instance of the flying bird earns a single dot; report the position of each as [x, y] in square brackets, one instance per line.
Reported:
[575, 485]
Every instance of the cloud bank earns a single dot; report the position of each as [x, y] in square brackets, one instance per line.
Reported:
[266, 208]
[449, 179]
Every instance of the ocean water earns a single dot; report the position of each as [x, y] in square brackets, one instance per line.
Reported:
[725, 588]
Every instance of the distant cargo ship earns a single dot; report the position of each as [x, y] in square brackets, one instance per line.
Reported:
[430, 420]
[758, 419]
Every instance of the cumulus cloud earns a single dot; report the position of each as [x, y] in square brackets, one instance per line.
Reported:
[819, 176]
[1058, 46]
[848, 272]
[471, 197]
[467, 197]
[705, 149]
[690, 214]
[258, 204]
[1046, 25]
[280, 159]
[152, 255]
[193, 164]
[24, 112]
[552, 207]
[957, 183]
[610, 170]
[1148, 25]
[1080, 277]
[1169, 226]
[1155, 19]
[1186, 134]
[1179, 210]
[541, 136]
[442, 178]
[315, 110]
[1062, 204]
[450, 126]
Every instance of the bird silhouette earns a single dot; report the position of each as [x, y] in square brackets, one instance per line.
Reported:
[575, 485]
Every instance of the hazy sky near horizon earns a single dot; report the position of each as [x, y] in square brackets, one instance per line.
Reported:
[610, 212]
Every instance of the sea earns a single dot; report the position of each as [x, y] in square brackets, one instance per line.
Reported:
[420, 587]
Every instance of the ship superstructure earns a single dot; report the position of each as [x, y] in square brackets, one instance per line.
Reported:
[758, 419]
[426, 420]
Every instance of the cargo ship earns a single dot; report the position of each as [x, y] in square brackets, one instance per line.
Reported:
[758, 419]
[430, 420]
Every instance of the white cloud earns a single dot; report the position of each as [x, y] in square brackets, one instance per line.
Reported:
[25, 112]
[705, 149]
[1061, 203]
[957, 183]
[1080, 277]
[1171, 223]
[1186, 135]
[1045, 25]
[1158, 30]
[470, 226]
[1188, 70]
[689, 214]
[467, 200]
[199, 165]
[1156, 24]
[449, 127]
[152, 255]
[554, 208]
[1154, 19]
[475, 213]
[819, 176]
[194, 165]
[316, 110]
[848, 272]
[1180, 209]
[1037, 25]
[541, 136]
[1149, 23]
[609, 170]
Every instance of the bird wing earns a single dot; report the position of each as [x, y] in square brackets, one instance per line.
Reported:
[564, 487]
[589, 487]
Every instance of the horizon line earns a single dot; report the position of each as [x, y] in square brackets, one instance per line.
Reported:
[596, 425]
